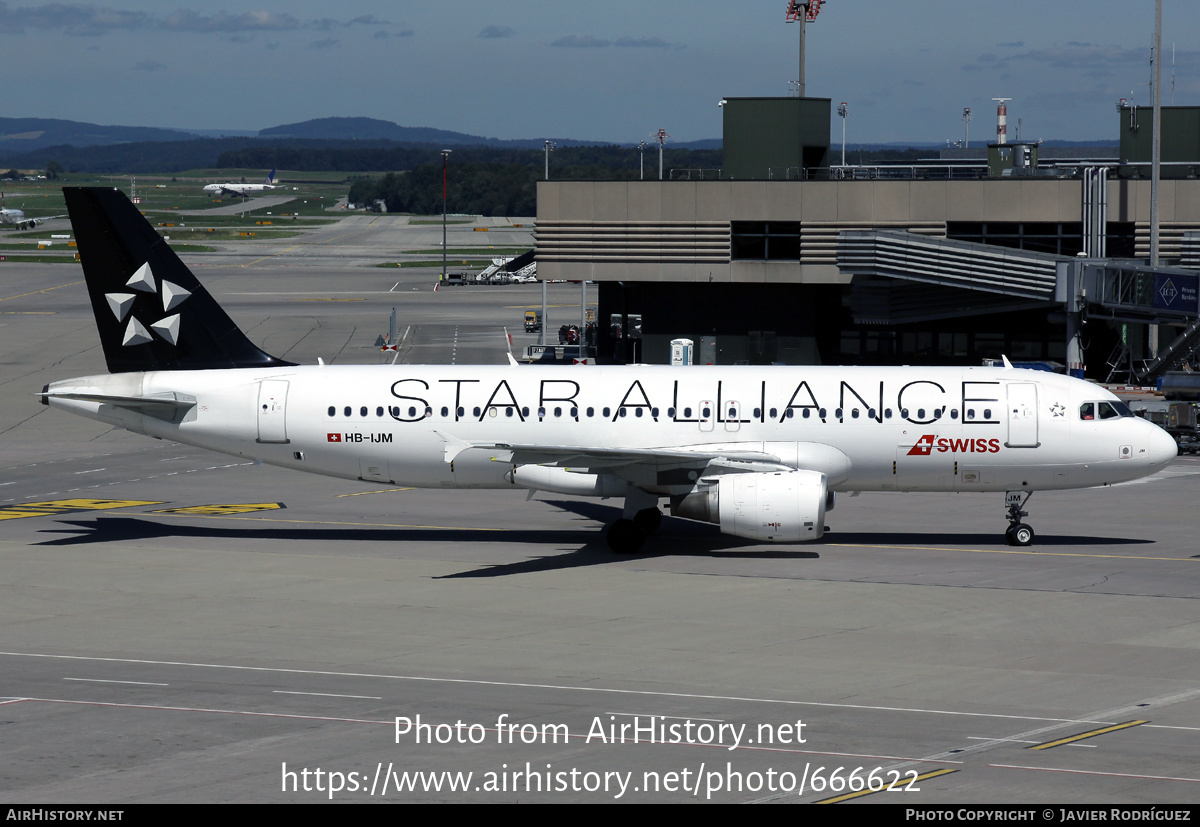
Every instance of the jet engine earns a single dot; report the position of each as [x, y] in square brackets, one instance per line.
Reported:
[774, 507]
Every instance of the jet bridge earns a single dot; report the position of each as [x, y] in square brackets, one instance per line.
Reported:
[903, 277]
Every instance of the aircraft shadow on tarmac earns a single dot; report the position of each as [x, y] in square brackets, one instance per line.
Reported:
[680, 538]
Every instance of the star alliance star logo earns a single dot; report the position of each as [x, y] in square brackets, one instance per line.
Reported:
[1058, 409]
[171, 295]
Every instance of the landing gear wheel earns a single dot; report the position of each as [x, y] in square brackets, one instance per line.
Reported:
[1019, 535]
[648, 520]
[625, 537]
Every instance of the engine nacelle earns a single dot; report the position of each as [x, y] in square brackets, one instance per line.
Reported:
[776, 507]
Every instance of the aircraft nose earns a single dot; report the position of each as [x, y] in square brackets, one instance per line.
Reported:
[1161, 449]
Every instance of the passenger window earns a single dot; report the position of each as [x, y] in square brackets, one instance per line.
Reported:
[508, 410]
[591, 411]
[774, 412]
[362, 411]
[346, 410]
[445, 412]
[412, 411]
[687, 413]
[332, 410]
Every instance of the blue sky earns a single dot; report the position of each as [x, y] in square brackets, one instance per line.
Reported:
[613, 71]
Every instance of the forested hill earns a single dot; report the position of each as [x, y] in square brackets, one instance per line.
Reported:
[504, 182]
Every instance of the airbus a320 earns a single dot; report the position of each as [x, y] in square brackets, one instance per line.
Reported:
[757, 451]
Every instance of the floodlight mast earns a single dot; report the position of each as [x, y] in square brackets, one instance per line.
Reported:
[445, 157]
[844, 112]
[661, 136]
[802, 12]
[966, 127]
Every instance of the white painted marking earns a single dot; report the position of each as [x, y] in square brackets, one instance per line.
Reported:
[1095, 772]
[130, 683]
[329, 695]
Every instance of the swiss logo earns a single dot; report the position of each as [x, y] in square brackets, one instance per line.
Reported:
[923, 447]
[333, 437]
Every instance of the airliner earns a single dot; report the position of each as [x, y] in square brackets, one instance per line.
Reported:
[242, 190]
[17, 217]
[757, 451]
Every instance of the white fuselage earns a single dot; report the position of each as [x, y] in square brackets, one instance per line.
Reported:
[867, 429]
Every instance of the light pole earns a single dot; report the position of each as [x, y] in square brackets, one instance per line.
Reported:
[662, 136]
[966, 126]
[844, 112]
[445, 157]
[549, 148]
[642, 161]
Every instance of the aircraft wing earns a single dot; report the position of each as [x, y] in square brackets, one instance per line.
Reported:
[699, 457]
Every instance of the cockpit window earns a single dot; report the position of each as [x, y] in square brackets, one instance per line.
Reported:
[1104, 410]
[1113, 410]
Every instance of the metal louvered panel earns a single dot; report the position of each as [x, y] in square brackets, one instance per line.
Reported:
[648, 241]
[961, 264]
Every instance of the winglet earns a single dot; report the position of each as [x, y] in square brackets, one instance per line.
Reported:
[1007, 364]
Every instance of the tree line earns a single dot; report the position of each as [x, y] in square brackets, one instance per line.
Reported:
[504, 182]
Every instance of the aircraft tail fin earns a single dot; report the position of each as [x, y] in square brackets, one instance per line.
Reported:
[271, 178]
[151, 312]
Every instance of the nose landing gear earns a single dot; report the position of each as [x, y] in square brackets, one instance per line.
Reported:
[1017, 533]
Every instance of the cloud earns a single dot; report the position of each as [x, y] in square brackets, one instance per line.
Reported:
[489, 32]
[73, 19]
[149, 66]
[1015, 44]
[327, 43]
[585, 42]
[186, 20]
[1077, 55]
[367, 20]
[642, 42]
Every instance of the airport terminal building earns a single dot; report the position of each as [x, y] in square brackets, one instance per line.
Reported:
[784, 257]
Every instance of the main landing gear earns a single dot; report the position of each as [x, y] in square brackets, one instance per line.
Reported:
[1017, 533]
[640, 519]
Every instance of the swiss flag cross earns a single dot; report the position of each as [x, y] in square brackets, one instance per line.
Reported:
[334, 437]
